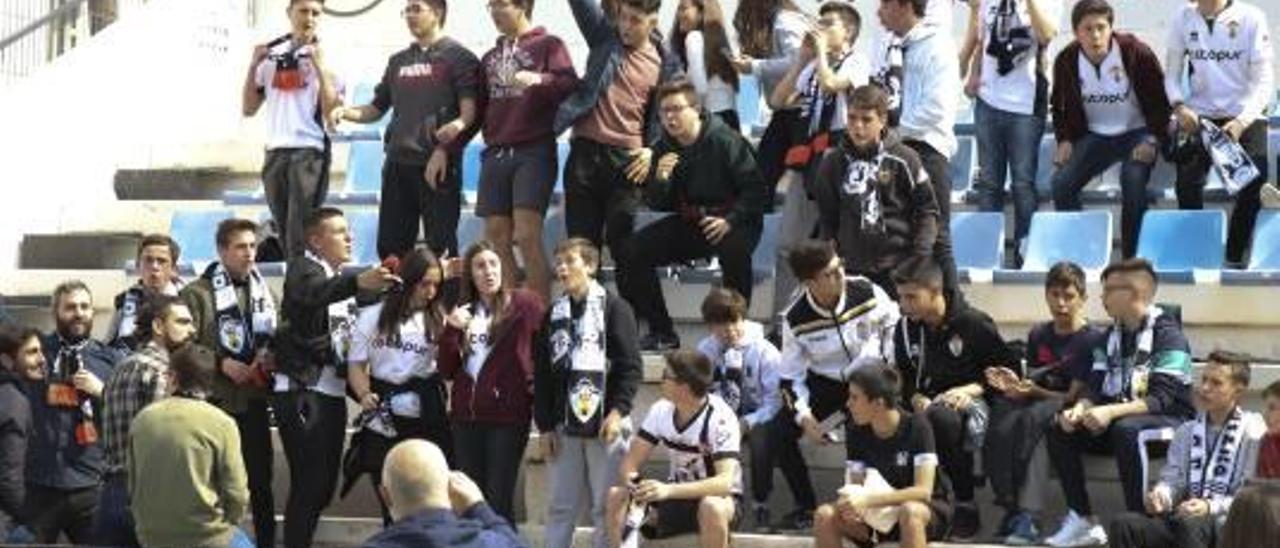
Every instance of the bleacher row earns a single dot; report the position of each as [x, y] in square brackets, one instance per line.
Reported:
[1186, 246]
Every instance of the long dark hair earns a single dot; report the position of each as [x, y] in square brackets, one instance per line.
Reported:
[396, 309]
[471, 294]
[754, 22]
[714, 40]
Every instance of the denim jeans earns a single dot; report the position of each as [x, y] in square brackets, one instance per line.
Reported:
[1091, 155]
[113, 523]
[1007, 143]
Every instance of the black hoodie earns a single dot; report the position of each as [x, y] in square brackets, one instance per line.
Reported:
[15, 428]
[716, 176]
[907, 220]
[955, 353]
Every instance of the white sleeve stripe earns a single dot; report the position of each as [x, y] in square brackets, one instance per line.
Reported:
[926, 458]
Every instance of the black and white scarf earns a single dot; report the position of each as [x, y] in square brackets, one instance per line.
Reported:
[1127, 378]
[862, 178]
[1213, 462]
[1230, 160]
[890, 76]
[132, 302]
[821, 106]
[235, 339]
[578, 350]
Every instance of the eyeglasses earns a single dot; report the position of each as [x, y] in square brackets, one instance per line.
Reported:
[413, 9]
[672, 110]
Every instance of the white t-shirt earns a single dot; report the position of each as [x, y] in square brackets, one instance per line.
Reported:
[716, 94]
[291, 113]
[1231, 74]
[712, 435]
[413, 356]
[1014, 91]
[854, 69]
[1110, 105]
[478, 338]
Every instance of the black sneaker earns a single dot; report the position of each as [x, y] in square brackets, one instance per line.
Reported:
[762, 522]
[797, 520]
[965, 523]
[659, 342]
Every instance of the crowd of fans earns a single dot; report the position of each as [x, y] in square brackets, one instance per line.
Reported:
[159, 434]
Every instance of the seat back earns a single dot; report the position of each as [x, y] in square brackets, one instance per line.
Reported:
[1183, 240]
[977, 239]
[364, 167]
[195, 230]
[1082, 237]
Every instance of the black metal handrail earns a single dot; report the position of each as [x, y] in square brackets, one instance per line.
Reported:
[60, 11]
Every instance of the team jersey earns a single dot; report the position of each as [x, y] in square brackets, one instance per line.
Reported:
[395, 362]
[897, 457]
[1011, 78]
[1220, 67]
[694, 447]
[1110, 104]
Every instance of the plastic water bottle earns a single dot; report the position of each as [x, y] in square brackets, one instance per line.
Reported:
[636, 513]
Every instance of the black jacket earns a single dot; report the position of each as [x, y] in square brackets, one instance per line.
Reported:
[15, 428]
[54, 458]
[303, 342]
[624, 362]
[955, 353]
[716, 176]
[908, 218]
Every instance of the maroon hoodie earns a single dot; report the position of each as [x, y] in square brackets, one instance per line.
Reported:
[504, 392]
[517, 116]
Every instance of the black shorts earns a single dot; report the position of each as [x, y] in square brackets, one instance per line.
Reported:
[680, 517]
[938, 529]
[522, 177]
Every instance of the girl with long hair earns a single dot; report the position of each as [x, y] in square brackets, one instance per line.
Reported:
[392, 368]
[486, 350]
[698, 37]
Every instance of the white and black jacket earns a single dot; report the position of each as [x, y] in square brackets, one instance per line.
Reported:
[831, 343]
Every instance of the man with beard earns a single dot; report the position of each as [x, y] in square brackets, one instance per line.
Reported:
[138, 380]
[64, 460]
[157, 261]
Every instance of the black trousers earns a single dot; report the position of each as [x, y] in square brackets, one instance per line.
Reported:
[1013, 433]
[673, 240]
[1120, 439]
[52, 512]
[1135, 530]
[432, 425]
[312, 429]
[295, 181]
[599, 202]
[255, 448]
[938, 167]
[407, 200]
[776, 444]
[1192, 176]
[949, 431]
[490, 454]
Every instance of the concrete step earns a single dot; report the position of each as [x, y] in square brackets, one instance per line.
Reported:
[78, 250]
[194, 183]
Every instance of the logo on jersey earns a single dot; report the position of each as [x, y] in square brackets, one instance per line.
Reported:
[416, 70]
[1216, 55]
[1194, 36]
[1233, 28]
[902, 458]
[585, 399]
[1116, 74]
[955, 345]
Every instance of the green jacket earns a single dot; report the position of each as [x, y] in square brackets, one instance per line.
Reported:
[198, 295]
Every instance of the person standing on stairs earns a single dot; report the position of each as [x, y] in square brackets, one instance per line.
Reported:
[528, 73]
[157, 261]
[434, 89]
[587, 370]
[309, 400]
[289, 76]
[234, 312]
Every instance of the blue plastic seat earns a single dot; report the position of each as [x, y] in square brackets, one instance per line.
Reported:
[961, 170]
[1177, 241]
[1044, 168]
[553, 232]
[470, 230]
[977, 239]
[1266, 241]
[363, 225]
[764, 260]
[748, 102]
[471, 166]
[1082, 237]
[364, 167]
[194, 231]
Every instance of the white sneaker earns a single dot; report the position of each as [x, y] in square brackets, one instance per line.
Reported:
[1077, 531]
[1270, 196]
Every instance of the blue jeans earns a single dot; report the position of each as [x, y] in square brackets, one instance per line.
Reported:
[1007, 143]
[1091, 155]
[113, 522]
[240, 539]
